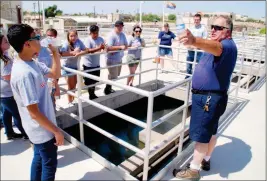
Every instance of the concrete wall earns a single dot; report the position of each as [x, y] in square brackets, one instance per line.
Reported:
[114, 101]
[8, 10]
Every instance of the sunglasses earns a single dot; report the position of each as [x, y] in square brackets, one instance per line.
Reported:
[216, 27]
[37, 37]
[138, 31]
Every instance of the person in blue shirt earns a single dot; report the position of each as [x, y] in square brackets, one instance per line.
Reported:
[165, 38]
[71, 47]
[34, 100]
[210, 83]
[198, 30]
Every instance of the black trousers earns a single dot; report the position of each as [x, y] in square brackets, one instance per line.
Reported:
[88, 81]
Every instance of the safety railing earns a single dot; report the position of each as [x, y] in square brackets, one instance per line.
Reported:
[148, 152]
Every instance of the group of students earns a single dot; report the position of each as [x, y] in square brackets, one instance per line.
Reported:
[29, 82]
[117, 40]
[25, 94]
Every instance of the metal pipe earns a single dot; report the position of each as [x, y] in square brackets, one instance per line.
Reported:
[150, 106]
[259, 63]
[184, 117]
[195, 60]
[121, 77]
[250, 72]
[106, 67]
[112, 111]
[175, 47]
[122, 86]
[105, 133]
[140, 70]
[80, 108]
[239, 80]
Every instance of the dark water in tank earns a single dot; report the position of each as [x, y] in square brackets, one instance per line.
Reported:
[129, 132]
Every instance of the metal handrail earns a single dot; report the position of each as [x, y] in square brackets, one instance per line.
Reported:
[149, 125]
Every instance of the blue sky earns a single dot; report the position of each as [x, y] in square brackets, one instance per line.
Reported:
[254, 9]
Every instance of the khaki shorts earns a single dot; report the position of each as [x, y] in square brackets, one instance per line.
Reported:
[113, 72]
[131, 58]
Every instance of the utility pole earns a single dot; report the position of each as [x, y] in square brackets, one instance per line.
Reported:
[18, 14]
[94, 11]
[39, 22]
[34, 10]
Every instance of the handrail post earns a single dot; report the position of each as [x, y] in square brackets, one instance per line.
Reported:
[181, 140]
[250, 72]
[194, 63]
[157, 72]
[140, 70]
[80, 108]
[239, 78]
[148, 134]
[259, 63]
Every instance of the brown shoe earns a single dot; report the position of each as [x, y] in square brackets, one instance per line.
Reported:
[186, 174]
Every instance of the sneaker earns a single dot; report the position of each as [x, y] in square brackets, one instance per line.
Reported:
[186, 174]
[93, 96]
[205, 165]
[14, 136]
[108, 91]
[25, 138]
[71, 104]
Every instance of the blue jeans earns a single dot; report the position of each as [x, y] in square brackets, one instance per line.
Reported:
[165, 51]
[44, 163]
[190, 58]
[10, 109]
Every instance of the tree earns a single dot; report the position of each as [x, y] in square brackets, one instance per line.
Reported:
[25, 13]
[52, 11]
[172, 17]
[263, 31]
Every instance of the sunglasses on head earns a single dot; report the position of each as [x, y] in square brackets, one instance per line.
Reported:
[37, 37]
[216, 27]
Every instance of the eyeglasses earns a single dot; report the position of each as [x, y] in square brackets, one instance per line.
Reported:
[37, 37]
[216, 27]
[138, 31]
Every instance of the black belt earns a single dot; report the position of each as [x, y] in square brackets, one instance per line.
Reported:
[208, 92]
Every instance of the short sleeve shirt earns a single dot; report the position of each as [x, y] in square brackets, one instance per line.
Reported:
[29, 87]
[71, 62]
[214, 73]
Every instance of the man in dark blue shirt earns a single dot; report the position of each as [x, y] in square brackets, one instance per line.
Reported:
[210, 83]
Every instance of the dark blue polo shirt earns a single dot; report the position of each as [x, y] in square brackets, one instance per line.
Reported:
[214, 73]
[166, 38]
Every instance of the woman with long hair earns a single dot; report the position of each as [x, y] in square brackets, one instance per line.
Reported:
[71, 47]
[8, 103]
[134, 54]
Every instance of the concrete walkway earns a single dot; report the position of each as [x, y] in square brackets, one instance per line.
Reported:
[240, 152]
[73, 164]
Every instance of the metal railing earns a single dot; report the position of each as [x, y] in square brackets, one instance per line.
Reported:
[148, 152]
